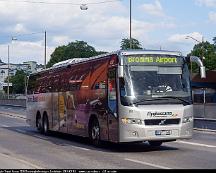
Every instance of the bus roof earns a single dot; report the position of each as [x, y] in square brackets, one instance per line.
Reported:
[119, 52]
[150, 52]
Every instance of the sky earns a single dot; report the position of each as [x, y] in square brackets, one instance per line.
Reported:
[155, 23]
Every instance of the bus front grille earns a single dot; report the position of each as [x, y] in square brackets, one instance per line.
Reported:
[162, 122]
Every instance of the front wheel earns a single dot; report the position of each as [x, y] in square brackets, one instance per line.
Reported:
[94, 132]
[155, 143]
[39, 124]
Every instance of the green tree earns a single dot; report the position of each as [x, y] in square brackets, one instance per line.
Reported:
[77, 49]
[214, 40]
[18, 83]
[125, 44]
[57, 55]
[206, 50]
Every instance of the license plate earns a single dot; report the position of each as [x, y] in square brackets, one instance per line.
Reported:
[163, 132]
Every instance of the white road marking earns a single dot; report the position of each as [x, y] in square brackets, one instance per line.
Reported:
[81, 148]
[198, 130]
[146, 163]
[2, 125]
[21, 161]
[21, 131]
[196, 144]
[44, 138]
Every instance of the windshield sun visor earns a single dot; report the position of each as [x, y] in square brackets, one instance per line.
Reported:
[159, 70]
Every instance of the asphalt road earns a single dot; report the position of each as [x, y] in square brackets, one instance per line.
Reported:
[23, 147]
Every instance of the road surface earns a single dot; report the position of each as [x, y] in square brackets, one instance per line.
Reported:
[23, 147]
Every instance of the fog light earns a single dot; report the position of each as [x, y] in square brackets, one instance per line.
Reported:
[135, 133]
[187, 119]
[131, 121]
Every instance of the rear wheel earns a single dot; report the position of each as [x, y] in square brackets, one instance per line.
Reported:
[45, 125]
[94, 132]
[155, 143]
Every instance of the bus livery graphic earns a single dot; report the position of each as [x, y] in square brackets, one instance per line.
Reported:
[124, 96]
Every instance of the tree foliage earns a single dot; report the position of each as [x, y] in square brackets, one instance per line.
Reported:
[125, 44]
[18, 82]
[77, 49]
[206, 50]
[214, 40]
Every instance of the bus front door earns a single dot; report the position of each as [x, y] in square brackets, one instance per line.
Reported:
[112, 106]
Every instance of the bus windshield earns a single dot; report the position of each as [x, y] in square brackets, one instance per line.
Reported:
[161, 84]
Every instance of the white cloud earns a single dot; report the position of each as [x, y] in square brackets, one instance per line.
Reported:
[207, 3]
[101, 25]
[212, 17]
[61, 40]
[21, 51]
[20, 28]
[181, 38]
[154, 9]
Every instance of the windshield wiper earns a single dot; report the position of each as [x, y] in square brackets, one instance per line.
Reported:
[161, 98]
[144, 100]
[176, 98]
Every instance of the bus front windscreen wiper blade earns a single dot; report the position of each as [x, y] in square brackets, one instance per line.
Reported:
[176, 98]
[161, 98]
[147, 100]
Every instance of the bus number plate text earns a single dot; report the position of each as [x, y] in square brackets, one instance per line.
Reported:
[163, 132]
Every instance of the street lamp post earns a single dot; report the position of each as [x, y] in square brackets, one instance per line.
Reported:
[45, 49]
[130, 26]
[8, 80]
[8, 85]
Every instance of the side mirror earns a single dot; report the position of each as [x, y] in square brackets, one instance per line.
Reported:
[198, 61]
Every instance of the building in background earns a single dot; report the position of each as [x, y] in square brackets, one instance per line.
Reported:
[28, 67]
[32, 65]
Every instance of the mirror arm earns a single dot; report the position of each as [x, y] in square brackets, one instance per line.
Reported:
[199, 62]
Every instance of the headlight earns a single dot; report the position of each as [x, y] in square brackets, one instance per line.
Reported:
[187, 119]
[131, 121]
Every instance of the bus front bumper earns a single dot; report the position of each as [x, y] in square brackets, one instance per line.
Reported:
[138, 133]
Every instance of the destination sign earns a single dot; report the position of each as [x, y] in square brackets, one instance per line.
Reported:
[153, 60]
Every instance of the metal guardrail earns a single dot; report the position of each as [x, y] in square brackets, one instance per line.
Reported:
[13, 102]
[205, 116]
[205, 111]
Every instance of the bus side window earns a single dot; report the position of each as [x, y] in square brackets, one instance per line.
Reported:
[112, 100]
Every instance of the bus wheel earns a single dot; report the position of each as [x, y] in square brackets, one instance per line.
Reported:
[39, 124]
[94, 132]
[155, 143]
[45, 125]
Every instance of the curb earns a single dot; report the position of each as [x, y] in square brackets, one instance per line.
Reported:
[205, 124]
[205, 130]
[13, 105]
